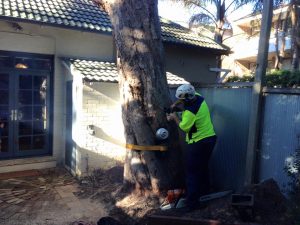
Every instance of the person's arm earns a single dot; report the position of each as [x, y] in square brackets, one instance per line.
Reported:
[173, 116]
[187, 121]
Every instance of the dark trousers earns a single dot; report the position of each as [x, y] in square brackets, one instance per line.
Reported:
[197, 172]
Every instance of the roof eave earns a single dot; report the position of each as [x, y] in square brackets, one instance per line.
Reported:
[13, 19]
[108, 33]
[224, 51]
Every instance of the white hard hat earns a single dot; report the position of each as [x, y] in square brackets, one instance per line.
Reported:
[162, 134]
[185, 91]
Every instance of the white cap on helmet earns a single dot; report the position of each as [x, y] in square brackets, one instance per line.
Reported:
[185, 91]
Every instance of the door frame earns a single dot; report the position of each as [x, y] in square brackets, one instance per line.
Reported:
[15, 153]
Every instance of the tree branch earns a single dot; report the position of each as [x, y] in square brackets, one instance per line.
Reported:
[229, 5]
[199, 17]
[245, 3]
[212, 15]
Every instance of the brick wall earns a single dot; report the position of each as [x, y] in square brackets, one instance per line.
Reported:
[101, 111]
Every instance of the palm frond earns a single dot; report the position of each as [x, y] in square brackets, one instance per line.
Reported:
[258, 5]
[191, 3]
[227, 24]
[240, 3]
[201, 18]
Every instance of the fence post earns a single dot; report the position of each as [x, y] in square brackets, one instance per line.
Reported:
[261, 65]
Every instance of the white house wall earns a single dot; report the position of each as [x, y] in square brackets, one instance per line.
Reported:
[51, 40]
[101, 128]
[60, 43]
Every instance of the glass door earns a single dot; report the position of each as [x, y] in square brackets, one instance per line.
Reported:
[25, 101]
[5, 115]
[31, 114]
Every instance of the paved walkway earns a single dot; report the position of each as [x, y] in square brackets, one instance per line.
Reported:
[45, 197]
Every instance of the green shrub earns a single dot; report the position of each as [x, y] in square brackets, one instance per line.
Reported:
[292, 168]
[245, 78]
[275, 78]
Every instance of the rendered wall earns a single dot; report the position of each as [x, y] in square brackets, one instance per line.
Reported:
[190, 63]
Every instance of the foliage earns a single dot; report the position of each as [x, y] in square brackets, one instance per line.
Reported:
[214, 13]
[292, 168]
[276, 78]
[258, 5]
[245, 78]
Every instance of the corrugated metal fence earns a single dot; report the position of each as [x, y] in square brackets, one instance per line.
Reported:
[230, 110]
[279, 138]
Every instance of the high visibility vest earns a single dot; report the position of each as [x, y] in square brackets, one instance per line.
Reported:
[196, 121]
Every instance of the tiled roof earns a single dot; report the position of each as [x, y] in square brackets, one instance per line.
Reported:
[107, 71]
[173, 32]
[86, 15]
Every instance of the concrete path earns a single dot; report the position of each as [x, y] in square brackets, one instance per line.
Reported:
[46, 197]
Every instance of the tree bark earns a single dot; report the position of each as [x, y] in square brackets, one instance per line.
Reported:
[277, 56]
[295, 35]
[283, 37]
[220, 22]
[144, 93]
[219, 34]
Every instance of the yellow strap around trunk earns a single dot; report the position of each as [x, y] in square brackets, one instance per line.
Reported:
[147, 148]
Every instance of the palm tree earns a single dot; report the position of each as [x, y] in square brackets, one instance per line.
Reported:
[217, 16]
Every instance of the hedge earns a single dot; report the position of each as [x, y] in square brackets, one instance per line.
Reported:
[276, 78]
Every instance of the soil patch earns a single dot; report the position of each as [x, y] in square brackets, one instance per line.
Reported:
[45, 197]
[269, 207]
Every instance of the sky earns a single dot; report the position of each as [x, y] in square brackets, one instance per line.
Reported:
[174, 11]
[179, 14]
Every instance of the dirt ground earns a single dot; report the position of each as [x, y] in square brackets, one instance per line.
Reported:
[46, 197]
[270, 207]
[55, 197]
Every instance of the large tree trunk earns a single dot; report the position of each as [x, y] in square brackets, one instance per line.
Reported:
[144, 94]
[295, 35]
[218, 36]
[283, 37]
[220, 22]
[277, 56]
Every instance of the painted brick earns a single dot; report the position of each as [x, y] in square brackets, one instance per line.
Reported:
[102, 112]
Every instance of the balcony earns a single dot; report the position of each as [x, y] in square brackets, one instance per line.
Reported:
[247, 48]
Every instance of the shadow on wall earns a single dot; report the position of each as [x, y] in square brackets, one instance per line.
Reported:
[100, 133]
[88, 161]
[84, 161]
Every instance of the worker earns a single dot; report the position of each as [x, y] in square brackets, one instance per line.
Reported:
[200, 137]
